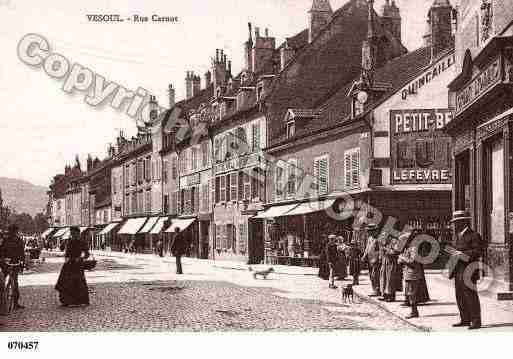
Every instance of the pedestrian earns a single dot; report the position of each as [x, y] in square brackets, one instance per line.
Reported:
[390, 272]
[412, 272]
[324, 271]
[13, 249]
[423, 292]
[341, 265]
[371, 255]
[354, 254]
[178, 248]
[72, 285]
[331, 258]
[160, 248]
[469, 250]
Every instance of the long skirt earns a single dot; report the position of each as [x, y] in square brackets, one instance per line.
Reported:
[72, 285]
[423, 294]
[341, 267]
[389, 276]
[324, 271]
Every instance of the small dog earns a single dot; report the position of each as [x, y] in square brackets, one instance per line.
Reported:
[262, 273]
[348, 293]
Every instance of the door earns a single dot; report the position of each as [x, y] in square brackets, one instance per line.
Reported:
[256, 241]
[496, 213]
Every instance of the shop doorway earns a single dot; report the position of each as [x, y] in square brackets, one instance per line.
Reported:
[204, 236]
[494, 190]
[462, 188]
[256, 241]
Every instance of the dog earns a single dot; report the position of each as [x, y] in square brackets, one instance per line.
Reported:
[348, 293]
[261, 273]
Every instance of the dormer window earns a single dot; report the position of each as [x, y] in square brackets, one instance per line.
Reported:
[260, 91]
[291, 129]
[358, 108]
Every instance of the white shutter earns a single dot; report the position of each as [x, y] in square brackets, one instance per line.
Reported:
[292, 177]
[347, 169]
[324, 171]
[355, 168]
[316, 174]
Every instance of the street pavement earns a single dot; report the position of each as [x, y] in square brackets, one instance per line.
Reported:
[142, 293]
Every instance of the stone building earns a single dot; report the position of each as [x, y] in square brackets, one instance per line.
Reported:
[481, 97]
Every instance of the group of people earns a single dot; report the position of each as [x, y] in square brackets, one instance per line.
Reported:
[339, 258]
[12, 251]
[395, 265]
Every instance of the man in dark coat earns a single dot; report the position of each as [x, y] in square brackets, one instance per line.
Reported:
[13, 248]
[372, 256]
[178, 248]
[469, 249]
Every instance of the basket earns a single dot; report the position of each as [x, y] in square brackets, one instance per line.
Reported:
[89, 264]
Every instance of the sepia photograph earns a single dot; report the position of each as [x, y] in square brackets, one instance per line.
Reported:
[329, 169]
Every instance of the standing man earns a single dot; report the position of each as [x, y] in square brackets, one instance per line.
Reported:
[371, 255]
[178, 248]
[13, 248]
[332, 258]
[469, 249]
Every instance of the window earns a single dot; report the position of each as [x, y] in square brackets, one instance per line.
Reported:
[217, 190]
[243, 238]
[321, 173]
[204, 154]
[222, 189]
[278, 180]
[247, 186]
[174, 169]
[204, 198]
[153, 171]
[255, 136]
[230, 240]
[292, 178]
[233, 186]
[165, 172]
[228, 188]
[352, 168]
[140, 171]
[358, 107]
[140, 204]
[196, 199]
[134, 173]
[166, 203]
[193, 193]
[194, 158]
[134, 203]
[174, 203]
[217, 150]
[147, 171]
[114, 185]
[127, 176]
[148, 201]
[291, 129]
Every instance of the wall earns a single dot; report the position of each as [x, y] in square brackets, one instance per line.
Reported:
[433, 95]
[117, 192]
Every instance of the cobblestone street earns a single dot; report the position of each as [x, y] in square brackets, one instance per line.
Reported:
[134, 294]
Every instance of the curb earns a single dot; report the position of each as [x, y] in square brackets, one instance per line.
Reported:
[275, 272]
[366, 298]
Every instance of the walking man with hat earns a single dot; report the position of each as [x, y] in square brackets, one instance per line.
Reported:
[371, 255]
[469, 249]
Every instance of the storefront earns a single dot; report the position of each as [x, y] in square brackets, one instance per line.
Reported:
[188, 228]
[128, 233]
[108, 237]
[482, 97]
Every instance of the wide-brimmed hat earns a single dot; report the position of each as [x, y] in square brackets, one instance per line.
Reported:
[460, 216]
[332, 236]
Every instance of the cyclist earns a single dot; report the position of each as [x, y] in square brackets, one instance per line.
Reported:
[13, 249]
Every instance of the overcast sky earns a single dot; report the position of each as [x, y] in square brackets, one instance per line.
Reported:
[42, 128]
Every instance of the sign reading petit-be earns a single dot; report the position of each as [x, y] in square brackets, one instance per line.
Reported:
[489, 77]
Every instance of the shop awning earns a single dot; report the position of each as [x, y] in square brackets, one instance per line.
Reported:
[159, 226]
[311, 207]
[83, 229]
[180, 223]
[149, 225]
[47, 232]
[277, 211]
[61, 232]
[66, 235]
[132, 225]
[107, 229]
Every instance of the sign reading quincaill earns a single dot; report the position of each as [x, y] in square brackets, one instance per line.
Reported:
[420, 148]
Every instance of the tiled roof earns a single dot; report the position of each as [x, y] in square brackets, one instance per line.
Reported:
[330, 62]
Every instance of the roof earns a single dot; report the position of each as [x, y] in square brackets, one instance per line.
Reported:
[321, 5]
[325, 66]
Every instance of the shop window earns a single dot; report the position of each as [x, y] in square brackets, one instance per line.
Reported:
[462, 181]
[291, 129]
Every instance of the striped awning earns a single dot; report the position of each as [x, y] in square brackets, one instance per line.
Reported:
[61, 232]
[108, 229]
[47, 232]
[180, 224]
[132, 225]
[277, 211]
[159, 226]
[149, 225]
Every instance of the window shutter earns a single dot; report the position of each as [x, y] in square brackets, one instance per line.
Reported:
[347, 170]
[247, 186]
[324, 171]
[197, 199]
[256, 136]
[355, 164]
[278, 181]
[241, 185]
[216, 149]
[291, 178]
[233, 186]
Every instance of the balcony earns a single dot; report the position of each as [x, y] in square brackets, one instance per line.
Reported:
[237, 163]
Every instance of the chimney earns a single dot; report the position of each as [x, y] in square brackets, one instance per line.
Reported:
[219, 70]
[391, 19]
[286, 54]
[263, 51]
[188, 84]
[440, 22]
[89, 163]
[172, 95]
[319, 16]
[208, 79]
[196, 85]
[248, 48]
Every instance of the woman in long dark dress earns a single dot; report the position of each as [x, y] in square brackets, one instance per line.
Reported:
[72, 285]
[324, 271]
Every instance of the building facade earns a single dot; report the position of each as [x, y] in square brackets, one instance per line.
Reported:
[482, 100]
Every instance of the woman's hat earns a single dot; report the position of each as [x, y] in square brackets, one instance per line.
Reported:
[332, 236]
[460, 216]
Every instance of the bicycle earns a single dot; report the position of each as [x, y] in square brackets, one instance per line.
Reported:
[8, 288]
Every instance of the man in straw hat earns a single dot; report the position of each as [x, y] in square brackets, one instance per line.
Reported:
[469, 249]
[371, 255]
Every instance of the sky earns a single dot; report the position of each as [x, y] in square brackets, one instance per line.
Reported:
[42, 128]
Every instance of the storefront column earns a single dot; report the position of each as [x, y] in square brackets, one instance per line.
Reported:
[508, 197]
[480, 189]
[455, 180]
[473, 187]
[306, 247]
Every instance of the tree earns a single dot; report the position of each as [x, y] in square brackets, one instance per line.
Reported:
[40, 223]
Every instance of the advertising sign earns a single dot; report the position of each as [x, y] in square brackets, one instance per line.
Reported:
[419, 147]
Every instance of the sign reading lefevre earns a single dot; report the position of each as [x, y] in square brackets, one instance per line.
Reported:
[420, 148]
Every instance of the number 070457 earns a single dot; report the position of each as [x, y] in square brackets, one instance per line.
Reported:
[22, 345]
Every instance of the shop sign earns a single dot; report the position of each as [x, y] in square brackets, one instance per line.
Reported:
[420, 150]
[193, 179]
[485, 80]
[413, 87]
